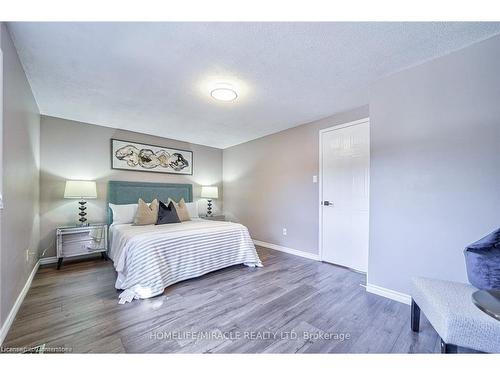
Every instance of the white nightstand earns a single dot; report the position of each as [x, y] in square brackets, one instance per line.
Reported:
[75, 241]
[215, 217]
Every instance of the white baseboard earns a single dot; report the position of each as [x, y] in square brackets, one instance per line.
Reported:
[13, 312]
[48, 260]
[288, 250]
[389, 293]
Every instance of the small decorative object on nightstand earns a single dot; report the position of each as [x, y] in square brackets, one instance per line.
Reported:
[215, 217]
[76, 241]
[81, 190]
[209, 192]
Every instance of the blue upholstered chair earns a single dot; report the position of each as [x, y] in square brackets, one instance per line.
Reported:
[482, 259]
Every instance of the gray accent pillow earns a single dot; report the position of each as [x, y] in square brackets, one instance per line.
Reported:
[167, 214]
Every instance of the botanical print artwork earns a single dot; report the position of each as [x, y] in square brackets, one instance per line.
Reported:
[149, 158]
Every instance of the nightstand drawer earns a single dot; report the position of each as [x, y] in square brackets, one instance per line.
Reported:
[76, 237]
[80, 247]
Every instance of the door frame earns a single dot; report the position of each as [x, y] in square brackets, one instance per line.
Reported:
[320, 177]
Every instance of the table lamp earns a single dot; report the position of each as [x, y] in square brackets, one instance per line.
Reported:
[209, 192]
[81, 190]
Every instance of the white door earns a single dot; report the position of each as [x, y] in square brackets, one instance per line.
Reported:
[344, 193]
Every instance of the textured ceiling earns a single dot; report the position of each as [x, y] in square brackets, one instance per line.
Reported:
[155, 77]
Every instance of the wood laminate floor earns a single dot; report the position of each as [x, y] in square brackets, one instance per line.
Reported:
[291, 305]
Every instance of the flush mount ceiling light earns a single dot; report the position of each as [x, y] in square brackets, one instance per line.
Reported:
[224, 93]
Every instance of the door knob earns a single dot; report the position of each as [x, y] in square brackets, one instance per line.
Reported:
[327, 203]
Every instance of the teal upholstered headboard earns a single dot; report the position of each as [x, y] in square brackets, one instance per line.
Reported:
[127, 192]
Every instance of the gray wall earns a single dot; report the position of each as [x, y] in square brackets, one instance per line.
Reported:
[21, 159]
[268, 183]
[435, 165]
[74, 150]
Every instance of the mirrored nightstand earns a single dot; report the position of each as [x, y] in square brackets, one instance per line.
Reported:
[75, 241]
[215, 217]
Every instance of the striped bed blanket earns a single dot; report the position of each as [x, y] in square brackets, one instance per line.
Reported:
[150, 258]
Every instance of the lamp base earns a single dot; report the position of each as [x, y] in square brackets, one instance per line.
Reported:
[209, 207]
[82, 214]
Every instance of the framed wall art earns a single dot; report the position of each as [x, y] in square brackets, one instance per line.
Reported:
[133, 156]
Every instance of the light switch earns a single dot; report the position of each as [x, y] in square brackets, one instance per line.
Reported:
[1, 202]
[315, 179]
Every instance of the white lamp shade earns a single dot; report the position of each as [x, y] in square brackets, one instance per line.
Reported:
[80, 189]
[209, 192]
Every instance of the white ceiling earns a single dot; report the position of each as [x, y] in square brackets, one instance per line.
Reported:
[155, 77]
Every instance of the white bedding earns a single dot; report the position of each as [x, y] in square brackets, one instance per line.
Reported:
[150, 258]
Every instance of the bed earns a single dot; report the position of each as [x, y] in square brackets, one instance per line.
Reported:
[149, 258]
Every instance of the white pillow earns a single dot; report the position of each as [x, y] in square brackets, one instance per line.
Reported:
[192, 208]
[123, 213]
